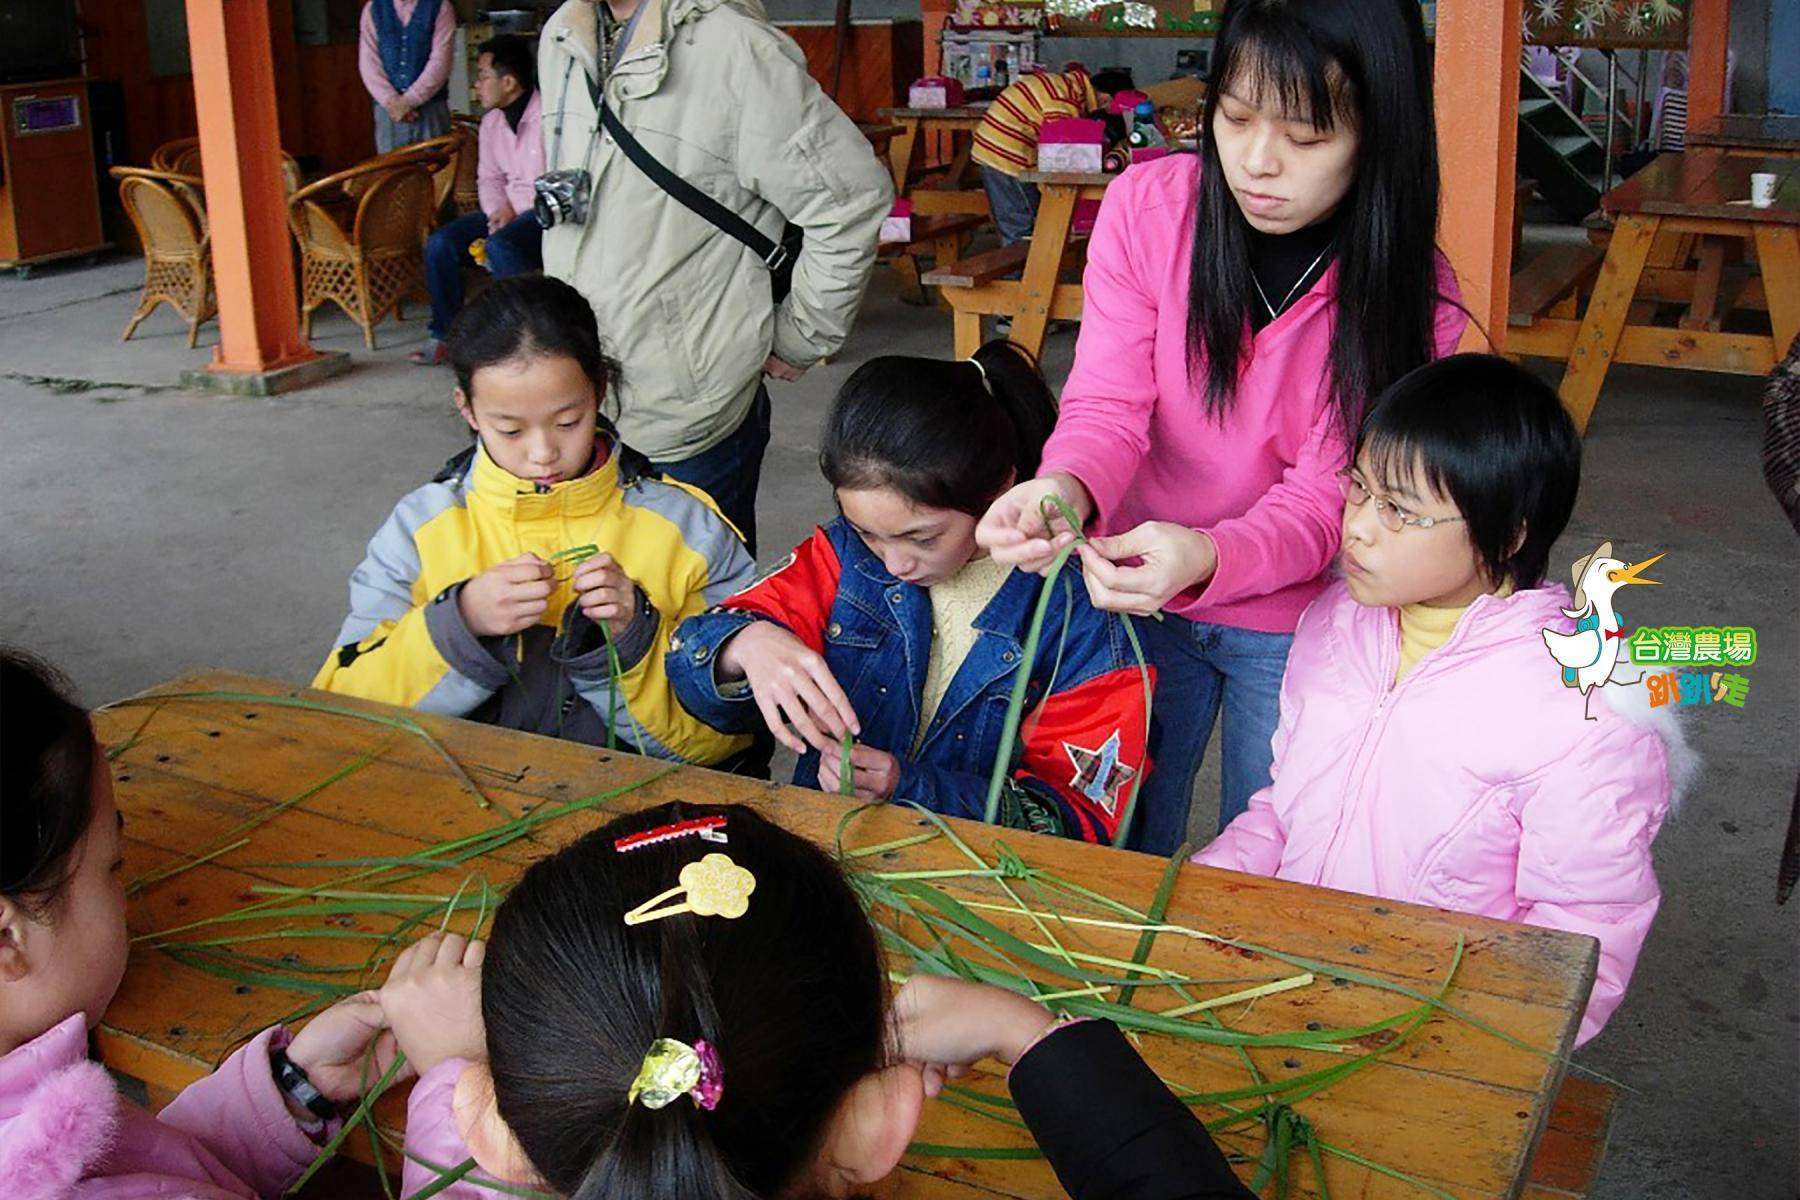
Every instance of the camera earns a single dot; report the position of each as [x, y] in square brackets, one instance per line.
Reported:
[561, 197]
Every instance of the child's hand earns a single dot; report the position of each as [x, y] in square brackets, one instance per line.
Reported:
[333, 1046]
[874, 774]
[790, 684]
[606, 594]
[1014, 530]
[507, 598]
[432, 999]
[946, 1024]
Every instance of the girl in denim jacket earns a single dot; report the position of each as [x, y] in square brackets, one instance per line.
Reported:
[891, 624]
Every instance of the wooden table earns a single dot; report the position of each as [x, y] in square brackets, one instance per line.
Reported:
[1038, 296]
[1452, 1105]
[954, 193]
[1691, 204]
[1762, 135]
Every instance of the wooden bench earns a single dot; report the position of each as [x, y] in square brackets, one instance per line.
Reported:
[982, 285]
[941, 237]
[980, 268]
[1552, 282]
[1569, 1153]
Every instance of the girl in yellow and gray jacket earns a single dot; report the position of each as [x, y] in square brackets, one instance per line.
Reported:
[494, 591]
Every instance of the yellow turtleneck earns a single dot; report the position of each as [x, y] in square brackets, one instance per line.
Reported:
[1424, 628]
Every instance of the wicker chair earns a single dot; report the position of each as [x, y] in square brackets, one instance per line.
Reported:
[371, 268]
[171, 223]
[465, 196]
[183, 157]
[443, 155]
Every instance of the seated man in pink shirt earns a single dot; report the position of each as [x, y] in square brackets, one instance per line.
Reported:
[404, 58]
[511, 156]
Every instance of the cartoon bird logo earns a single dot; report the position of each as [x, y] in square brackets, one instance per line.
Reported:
[1589, 654]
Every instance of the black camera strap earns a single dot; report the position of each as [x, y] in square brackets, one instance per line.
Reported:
[777, 256]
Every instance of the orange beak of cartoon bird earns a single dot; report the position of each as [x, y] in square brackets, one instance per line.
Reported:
[1631, 574]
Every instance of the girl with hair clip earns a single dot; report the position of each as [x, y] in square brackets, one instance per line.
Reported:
[1463, 478]
[1241, 310]
[731, 1037]
[892, 625]
[251, 1127]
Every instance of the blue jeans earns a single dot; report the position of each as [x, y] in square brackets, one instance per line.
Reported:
[731, 470]
[1013, 204]
[1201, 669]
[513, 250]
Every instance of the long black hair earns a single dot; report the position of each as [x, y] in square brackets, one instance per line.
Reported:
[1497, 441]
[46, 772]
[1327, 61]
[942, 434]
[528, 316]
[791, 995]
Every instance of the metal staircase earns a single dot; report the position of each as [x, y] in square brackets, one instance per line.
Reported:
[1557, 149]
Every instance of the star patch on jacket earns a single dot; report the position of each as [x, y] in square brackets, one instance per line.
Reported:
[1099, 775]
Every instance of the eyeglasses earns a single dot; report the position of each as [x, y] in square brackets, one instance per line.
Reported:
[1393, 518]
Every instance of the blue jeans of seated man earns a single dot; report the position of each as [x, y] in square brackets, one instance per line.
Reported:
[731, 470]
[514, 249]
[1205, 672]
[1013, 204]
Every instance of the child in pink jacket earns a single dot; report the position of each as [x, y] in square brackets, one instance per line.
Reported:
[247, 1130]
[1428, 750]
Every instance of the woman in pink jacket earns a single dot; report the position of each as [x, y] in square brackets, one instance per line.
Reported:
[1428, 750]
[247, 1130]
[1238, 316]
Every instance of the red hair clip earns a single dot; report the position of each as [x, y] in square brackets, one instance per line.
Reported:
[709, 828]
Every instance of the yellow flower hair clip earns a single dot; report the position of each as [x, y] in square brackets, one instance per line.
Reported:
[715, 887]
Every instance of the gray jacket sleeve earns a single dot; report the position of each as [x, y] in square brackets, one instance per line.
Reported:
[798, 151]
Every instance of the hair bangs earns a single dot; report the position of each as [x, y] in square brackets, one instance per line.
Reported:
[1276, 62]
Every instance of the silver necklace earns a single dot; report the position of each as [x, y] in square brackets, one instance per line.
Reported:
[1276, 312]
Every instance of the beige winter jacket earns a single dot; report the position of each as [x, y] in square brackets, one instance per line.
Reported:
[724, 100]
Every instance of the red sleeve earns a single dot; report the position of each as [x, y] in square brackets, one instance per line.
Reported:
[799, 592]
[1088, 743]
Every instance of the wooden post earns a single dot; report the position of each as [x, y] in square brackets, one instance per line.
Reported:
[260, 347]
[1709, 44]
[1477, 99]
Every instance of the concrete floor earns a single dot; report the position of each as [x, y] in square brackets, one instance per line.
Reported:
[145, 531]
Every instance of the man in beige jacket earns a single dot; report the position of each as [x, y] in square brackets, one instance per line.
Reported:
[723, 100]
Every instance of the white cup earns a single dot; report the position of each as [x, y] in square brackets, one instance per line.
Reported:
[1762, 188]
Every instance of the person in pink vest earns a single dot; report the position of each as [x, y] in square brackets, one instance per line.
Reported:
[1240, 310]
[247, 1130]
[1428, 749]
[510, 158]
[403, 54]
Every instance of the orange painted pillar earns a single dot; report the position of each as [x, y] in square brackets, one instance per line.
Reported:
[1709, 43]
[246, 203]
[1476, 80]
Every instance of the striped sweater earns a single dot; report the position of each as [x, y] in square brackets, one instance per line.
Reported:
[1007, 137]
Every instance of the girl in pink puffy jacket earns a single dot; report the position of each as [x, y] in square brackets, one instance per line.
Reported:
[250, 1128]
[1428, 751]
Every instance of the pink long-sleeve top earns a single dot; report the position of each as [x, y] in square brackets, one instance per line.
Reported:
[1261, 482]
[437, 66]
[510, 159]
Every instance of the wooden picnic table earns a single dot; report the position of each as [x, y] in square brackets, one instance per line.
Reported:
[1038, 296]
[1763, 135]
[954, 193]
[1452, 1105]
[1692, 205]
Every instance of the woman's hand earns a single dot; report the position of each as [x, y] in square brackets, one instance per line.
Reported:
[333, 1046]
[432, 999]
[874, 774]
[1171, 560]
[946, 1024]
[792, 685]
[1015, 531]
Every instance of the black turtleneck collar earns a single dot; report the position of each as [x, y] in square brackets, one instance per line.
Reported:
[1290, 262]
[516, 111]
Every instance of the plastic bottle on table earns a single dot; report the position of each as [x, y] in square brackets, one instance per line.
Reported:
[1144, 134]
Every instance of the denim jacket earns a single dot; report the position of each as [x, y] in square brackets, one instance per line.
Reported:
[1081, 748]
